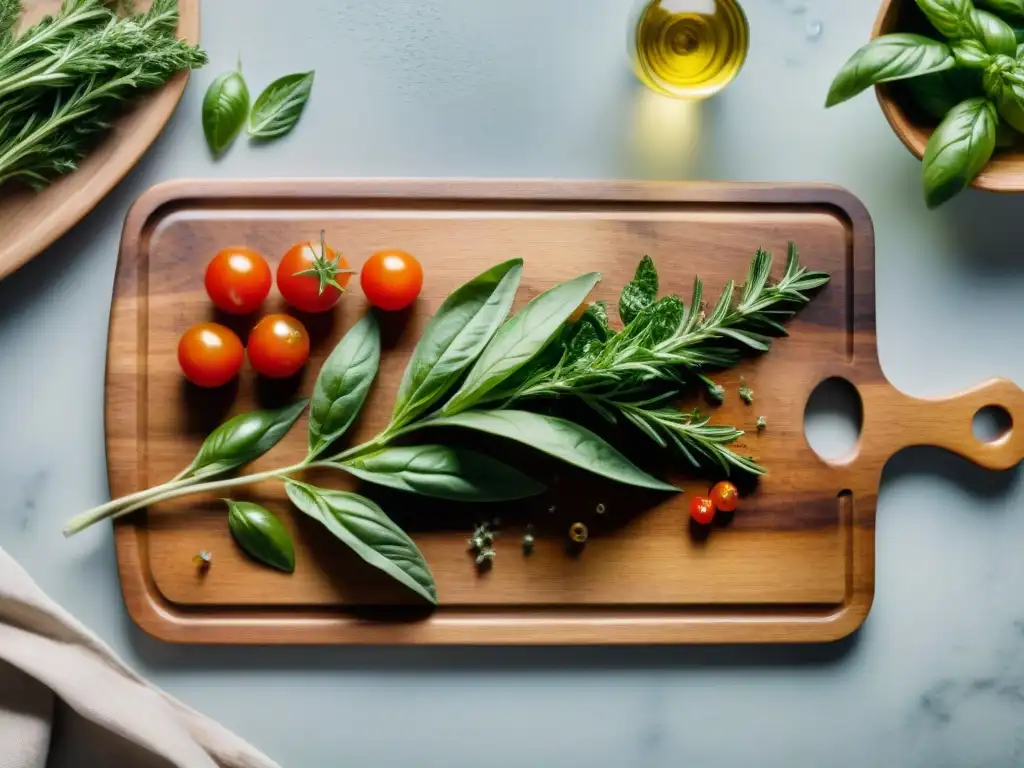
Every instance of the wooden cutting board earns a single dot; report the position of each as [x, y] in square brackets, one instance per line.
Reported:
[31, 221]
[796, 564]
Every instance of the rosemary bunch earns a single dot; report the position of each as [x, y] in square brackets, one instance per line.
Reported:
[634, 375]
[65, 79]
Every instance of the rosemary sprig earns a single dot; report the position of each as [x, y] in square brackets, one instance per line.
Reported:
[668, 345]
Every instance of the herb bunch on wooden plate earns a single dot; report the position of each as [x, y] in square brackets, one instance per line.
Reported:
[64, 80]
[971, 78]
[474, 370]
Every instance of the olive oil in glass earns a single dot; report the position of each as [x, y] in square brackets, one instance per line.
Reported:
[688, 49]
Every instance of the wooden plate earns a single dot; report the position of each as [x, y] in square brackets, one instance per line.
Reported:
[797, 562]
[31, 221]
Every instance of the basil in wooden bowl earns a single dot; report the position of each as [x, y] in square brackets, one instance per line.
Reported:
[949, 75]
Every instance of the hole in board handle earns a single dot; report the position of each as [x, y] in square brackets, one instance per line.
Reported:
[833, 419]
[991, 424]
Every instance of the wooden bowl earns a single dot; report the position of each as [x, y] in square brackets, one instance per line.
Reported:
[1004, 172]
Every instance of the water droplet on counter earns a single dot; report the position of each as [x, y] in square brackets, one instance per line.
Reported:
[814, 29]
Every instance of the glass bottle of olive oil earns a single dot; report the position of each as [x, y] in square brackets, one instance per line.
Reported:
[688, 49]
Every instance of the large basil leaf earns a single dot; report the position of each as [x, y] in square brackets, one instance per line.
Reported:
[995, 34]
[343, 383]
[520, 339]
[959, 148]
[952, 18]
[455, 337]
[889, 57]
[640, 292]
[225, 107]
[443, 472]
[280, 106]
[556, 437]
[370, 533]
[243, 438]
[261, 534]
[1008, 9]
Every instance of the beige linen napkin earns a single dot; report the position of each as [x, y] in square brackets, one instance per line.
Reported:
[64, 692]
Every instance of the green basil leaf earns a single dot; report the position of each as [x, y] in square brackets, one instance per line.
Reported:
[243, 438]
[1008, 9]
[521, 339]
[455, 337]
[958, 149]
[971, 54]
[889, 57]
[280, 106]
[556, 437]
[261, 534]
[343, 383]
[952, 18]
[995, 34]
[443, 472]
[225, 107]
[370, 533]
[640, 292]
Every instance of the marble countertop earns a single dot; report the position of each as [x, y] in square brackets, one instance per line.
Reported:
[541, 88]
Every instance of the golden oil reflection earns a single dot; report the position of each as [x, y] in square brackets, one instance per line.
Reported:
[666, 136]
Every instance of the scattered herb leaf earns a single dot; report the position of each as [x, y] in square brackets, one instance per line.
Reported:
[279, 107]
[225, 107]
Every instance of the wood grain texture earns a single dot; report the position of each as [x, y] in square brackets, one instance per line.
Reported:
[1003, 173]
[795, 565]
[31, 221]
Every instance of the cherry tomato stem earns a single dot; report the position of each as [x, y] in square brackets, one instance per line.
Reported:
[312, 277]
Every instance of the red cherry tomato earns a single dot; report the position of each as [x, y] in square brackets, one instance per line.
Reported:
[702, 510]
[325, 268]
[725, 497]
[278, 346]
[391, 280]
[238, 280]
[209, 354]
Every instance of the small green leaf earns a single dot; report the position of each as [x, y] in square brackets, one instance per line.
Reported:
[952, 18]
[343, 383]
[640, 292]
[556, 437]
[970, 54]
[889, 57]
[958, 149]
[280, 106]
[225, 107]
[243, 438]
[455, 337]
[367, 531]
[1008, 9]
[443, 472]
[521, 339]
[261, 534]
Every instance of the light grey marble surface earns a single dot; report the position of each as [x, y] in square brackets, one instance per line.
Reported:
[541, 88]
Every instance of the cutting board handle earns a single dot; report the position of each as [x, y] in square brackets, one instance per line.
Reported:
[894, 420]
